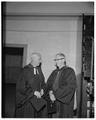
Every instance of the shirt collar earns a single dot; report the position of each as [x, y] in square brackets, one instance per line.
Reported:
[64, 67]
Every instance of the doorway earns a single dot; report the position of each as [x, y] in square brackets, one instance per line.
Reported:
[12, 64]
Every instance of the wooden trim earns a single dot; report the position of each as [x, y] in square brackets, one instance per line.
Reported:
[24, 52]
[46, 14]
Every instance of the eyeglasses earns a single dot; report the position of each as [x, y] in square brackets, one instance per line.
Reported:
[58, 59]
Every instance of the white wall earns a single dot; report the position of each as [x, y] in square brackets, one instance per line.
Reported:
[48, 36]
[50, 7]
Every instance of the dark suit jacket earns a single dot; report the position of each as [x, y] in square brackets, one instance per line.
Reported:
[26, 85]
[65, 92]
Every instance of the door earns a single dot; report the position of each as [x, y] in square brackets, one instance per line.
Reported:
[12, 64]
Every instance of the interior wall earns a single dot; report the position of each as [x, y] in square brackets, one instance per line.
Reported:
[48, 36]
[49, 7]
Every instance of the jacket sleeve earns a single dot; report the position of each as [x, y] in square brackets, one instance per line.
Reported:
[66, 93]
[23, 91]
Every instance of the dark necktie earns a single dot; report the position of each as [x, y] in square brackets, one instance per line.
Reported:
[56, 82]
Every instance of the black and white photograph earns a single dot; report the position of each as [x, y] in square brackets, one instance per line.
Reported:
[47, 59]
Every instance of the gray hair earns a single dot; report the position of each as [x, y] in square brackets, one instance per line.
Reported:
[37, 54]
[63, 56]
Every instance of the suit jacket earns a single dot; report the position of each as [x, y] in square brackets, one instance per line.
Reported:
[66, 88]
[67, 84]
[26, 85]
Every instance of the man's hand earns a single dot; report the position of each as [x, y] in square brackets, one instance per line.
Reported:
[42, 92]
[52, 97]
[37, 94]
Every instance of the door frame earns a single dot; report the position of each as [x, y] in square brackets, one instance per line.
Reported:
[24, 46]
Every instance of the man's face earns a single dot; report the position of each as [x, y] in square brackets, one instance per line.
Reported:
[36, 60]
[59, 61]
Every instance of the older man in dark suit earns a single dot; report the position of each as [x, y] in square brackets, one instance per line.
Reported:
[30, 89]
[61, 87]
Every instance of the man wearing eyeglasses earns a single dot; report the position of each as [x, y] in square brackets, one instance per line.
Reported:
[61, 87]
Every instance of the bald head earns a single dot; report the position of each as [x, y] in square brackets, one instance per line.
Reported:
[35, 59]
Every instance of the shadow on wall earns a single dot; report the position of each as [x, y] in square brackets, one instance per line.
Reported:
[79, 62]
[78, 77]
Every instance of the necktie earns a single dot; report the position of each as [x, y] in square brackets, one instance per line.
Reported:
[56, 82]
